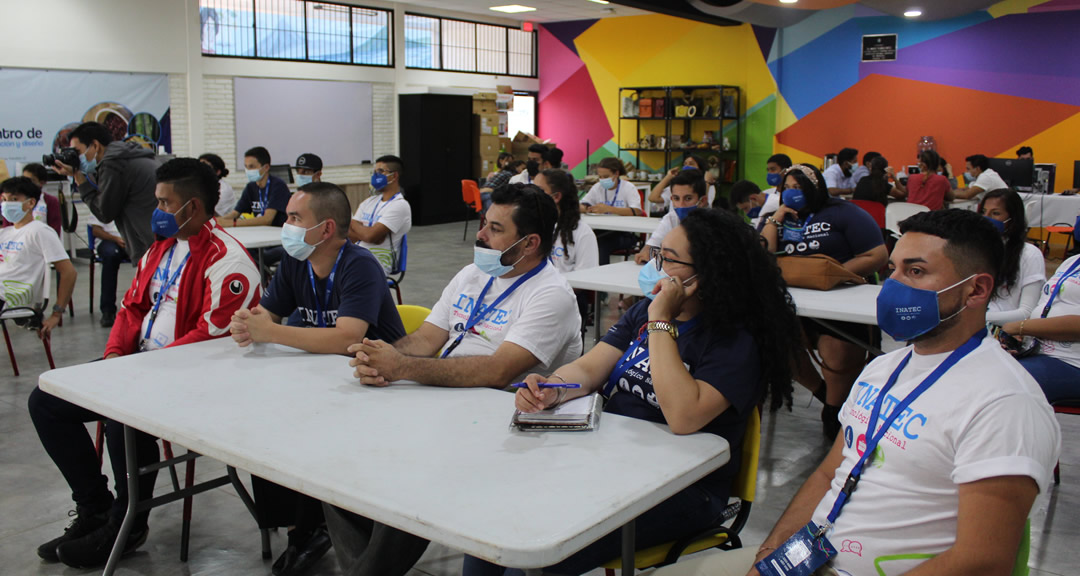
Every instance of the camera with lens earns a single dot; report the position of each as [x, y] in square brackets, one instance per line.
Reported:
[66, 156]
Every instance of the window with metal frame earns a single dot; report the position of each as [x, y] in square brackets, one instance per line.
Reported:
[297, 30]
[462, 46]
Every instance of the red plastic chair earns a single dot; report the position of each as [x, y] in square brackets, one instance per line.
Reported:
[470, 195]
[1059, 229]
[876, 210]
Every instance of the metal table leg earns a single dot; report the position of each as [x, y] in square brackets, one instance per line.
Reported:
[628, 548]
[265, 281]
[597, 315]
[133, 500]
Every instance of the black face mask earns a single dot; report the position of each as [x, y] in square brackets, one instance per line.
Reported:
[846, 170]
[533, 168]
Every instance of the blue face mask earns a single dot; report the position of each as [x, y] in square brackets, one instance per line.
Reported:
[607, 183]
[87, 166]
[490, 260]
[379, 181]
[905, 312]
[682, 213]
[253, 175]
[164, 224]
[292, 240]
[304, 179]
[773, 179]
[13, 211]
[794, 198]
[649, 277]
[999, 224]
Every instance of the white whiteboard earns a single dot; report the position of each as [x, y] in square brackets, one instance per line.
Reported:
[291, 117]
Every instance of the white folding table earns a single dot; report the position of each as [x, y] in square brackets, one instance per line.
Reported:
[845, 303]
[439, 463]
[635, 224]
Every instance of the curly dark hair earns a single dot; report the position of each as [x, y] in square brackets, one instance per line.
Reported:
[569, 208]
[741, 286]
[1015, 235]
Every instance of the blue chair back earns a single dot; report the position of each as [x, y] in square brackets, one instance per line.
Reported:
[403, 258]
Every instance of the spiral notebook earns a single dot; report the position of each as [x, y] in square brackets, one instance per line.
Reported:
[577, 414]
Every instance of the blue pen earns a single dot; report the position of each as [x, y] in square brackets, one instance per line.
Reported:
[546, 385]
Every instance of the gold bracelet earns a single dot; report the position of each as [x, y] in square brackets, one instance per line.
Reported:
[1021, 334]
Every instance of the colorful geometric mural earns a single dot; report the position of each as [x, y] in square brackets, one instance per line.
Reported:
[988, 82]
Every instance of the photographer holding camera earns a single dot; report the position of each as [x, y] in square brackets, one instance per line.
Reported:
[115, 179]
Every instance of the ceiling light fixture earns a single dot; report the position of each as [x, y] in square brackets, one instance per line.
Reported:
[599, 1]
[913, 13]
[513, 8]
[788, 1]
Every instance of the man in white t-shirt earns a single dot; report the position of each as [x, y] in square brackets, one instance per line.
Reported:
[687, 193]
[382, 221]
[535, 162]
[768, 200]
[529, 320]
[980, 179]
[839, 176]
[27, 247]
[950, 485]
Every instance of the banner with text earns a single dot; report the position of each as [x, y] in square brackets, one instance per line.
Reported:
[41, 107]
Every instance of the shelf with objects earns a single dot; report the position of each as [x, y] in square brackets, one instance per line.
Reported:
[667, 124]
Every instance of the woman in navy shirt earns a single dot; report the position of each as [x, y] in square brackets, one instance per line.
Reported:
[723, 295]
[809, 221]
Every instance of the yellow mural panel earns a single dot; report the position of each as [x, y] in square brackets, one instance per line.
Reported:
[1055, 145]
[1006, 7]
[798, 156]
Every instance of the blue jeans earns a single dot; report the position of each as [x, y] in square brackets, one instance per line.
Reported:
[687, 513]
[1059, 380]
[112, 255]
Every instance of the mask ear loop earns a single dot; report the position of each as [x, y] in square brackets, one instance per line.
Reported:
[962, 308]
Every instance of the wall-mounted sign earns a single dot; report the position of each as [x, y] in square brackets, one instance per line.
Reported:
[878, 47]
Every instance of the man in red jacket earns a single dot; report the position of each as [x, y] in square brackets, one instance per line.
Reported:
[186, 289]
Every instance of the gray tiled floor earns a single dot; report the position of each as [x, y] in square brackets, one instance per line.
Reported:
[34, 499]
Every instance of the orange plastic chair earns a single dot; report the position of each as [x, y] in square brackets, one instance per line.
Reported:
[470, 194]
[1059, 229]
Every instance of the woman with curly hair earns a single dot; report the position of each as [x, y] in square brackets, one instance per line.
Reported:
[698, 355]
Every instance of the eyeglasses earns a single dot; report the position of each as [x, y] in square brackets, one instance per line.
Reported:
[658, 259]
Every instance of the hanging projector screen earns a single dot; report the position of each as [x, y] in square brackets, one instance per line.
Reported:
[291, 117]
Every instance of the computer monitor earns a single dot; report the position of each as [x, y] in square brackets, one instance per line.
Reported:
[1045, 177]
[282, 171]
[1018, 174]
[1076, 174]
[912, 169]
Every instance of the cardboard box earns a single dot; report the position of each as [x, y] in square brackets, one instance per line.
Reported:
[504, 98]
[486, 124]
[484, 107]
[522, 140]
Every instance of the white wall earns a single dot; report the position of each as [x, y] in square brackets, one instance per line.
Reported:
[162, 36]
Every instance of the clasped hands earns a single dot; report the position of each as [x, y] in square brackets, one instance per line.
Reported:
[376, 363]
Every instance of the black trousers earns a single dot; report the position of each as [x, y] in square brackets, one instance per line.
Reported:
[608, 242]
[278, 506]
[61, 427]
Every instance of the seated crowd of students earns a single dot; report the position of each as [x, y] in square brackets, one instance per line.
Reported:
[716, 337]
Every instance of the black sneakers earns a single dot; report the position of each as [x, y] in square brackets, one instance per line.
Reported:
[297, 559]
[93, 549]
[108, 318]
[83, 522]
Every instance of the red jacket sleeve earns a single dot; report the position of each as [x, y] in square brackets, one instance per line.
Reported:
[124, 337]
[230, 284]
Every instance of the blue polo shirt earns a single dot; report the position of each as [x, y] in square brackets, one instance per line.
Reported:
[276, 194]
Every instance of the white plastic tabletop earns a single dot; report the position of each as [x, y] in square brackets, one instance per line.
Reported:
[439, 463]
[256, 236]
[635, 224]
[845, 303]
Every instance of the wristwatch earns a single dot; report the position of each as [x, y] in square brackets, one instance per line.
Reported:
[660, 326]
[58, 309]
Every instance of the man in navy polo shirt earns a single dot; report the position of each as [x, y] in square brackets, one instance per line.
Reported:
[264, 197]
[338, 293]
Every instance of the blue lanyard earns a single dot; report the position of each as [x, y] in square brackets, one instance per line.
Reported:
[616, 189]
[163, 292]
[1057, 287]
[479, 311]
[264, 195]
[626, 361]
[873, 438]
[324, 303]
[378, 207]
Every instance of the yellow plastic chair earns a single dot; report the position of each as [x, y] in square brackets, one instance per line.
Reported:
[722, 537]
[412, 317]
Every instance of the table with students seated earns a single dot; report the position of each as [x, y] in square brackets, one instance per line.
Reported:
[440, 463]
[856, 304]
[635, 224]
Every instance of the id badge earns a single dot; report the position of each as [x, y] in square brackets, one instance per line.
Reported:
[801, 555]
[792, 234]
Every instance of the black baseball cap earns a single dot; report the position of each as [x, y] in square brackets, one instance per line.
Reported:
[309, 161]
